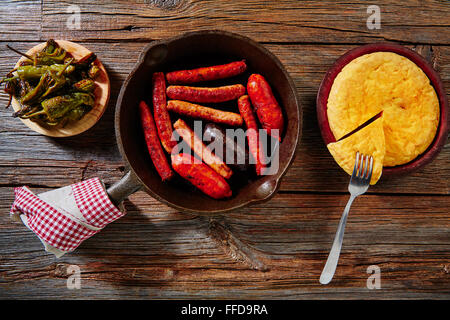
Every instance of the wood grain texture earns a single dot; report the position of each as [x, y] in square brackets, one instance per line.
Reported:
[173, 255]
[275, 250]
[20, 20]
[268, 21]
[310, 171]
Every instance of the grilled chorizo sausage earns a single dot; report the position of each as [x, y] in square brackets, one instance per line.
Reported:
[207, 73]
[205, 113]
[231, 149]
[252, 133]
[205, 95]
[160, 113]
[201, 176]
[200, 149]
[267, 108]
[154, 146]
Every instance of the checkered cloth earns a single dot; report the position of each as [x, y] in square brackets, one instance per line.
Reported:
[93, 202]
[64, 229]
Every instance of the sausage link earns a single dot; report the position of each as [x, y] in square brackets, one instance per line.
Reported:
[254, 146]
[201, 176]
[267, 108]
[154, 146]
[206, 95]
[205, 113]
[200, 149]
[207, 73]
[160, 113]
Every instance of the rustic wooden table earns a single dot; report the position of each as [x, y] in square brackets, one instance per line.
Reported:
[275, 250]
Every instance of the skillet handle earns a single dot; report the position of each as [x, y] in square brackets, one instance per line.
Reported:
[120, 190]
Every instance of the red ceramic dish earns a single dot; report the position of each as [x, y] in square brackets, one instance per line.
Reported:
[442, 131]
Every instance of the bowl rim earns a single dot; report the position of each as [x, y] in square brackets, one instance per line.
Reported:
[443, 128]
[279, 175]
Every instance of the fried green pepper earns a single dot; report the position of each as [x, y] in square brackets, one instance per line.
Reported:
[50, 82]
[11, 89]
[94, 71]
[85, 85]
[78, 112]
[51, 87]
[33, 95]
[54, 109]
[35, 72]
[51, 54]
[58, 57]
[30, 73]
[24, 87]
[86, 61]
[56, 80]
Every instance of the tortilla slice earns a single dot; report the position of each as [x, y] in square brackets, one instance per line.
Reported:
[369, 141]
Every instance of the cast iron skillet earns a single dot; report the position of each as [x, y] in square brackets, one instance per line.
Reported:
[187, 51]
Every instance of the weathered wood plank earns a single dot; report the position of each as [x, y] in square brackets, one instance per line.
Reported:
[274, 250]
[306, 21]
[21, 20]
[311, 170]
[155, 252]
[270, 21]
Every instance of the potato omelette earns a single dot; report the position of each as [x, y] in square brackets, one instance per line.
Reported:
[368, 141]
[388, 82]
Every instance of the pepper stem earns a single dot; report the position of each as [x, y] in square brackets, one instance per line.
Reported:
[65, 67]
[8, 79]
[27, 116]
[18, 52]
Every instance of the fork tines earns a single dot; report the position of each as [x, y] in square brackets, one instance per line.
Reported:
[363, 166]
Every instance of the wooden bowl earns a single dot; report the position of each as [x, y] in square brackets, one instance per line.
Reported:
[442, 131]
[89, 119]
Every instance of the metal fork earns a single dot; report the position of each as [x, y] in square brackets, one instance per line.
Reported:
[359, 183]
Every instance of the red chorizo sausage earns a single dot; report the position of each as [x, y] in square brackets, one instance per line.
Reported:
[205, 95]
[154, 146]
[196, 145]
[254, 146]
[267, 108]
[160, 113]
[205, 113]
[201, 176]
[207, 73]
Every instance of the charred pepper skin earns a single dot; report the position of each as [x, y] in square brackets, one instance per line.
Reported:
[201, 176]
[206, 73]
[56, 108]
[153, 144]
[85, 85]
[51, 87]
[267, 108]
[29, 72]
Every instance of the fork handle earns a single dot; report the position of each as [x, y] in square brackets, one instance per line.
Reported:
[333, 257]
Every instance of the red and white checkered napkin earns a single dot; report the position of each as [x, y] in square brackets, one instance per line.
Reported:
[65, 217]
